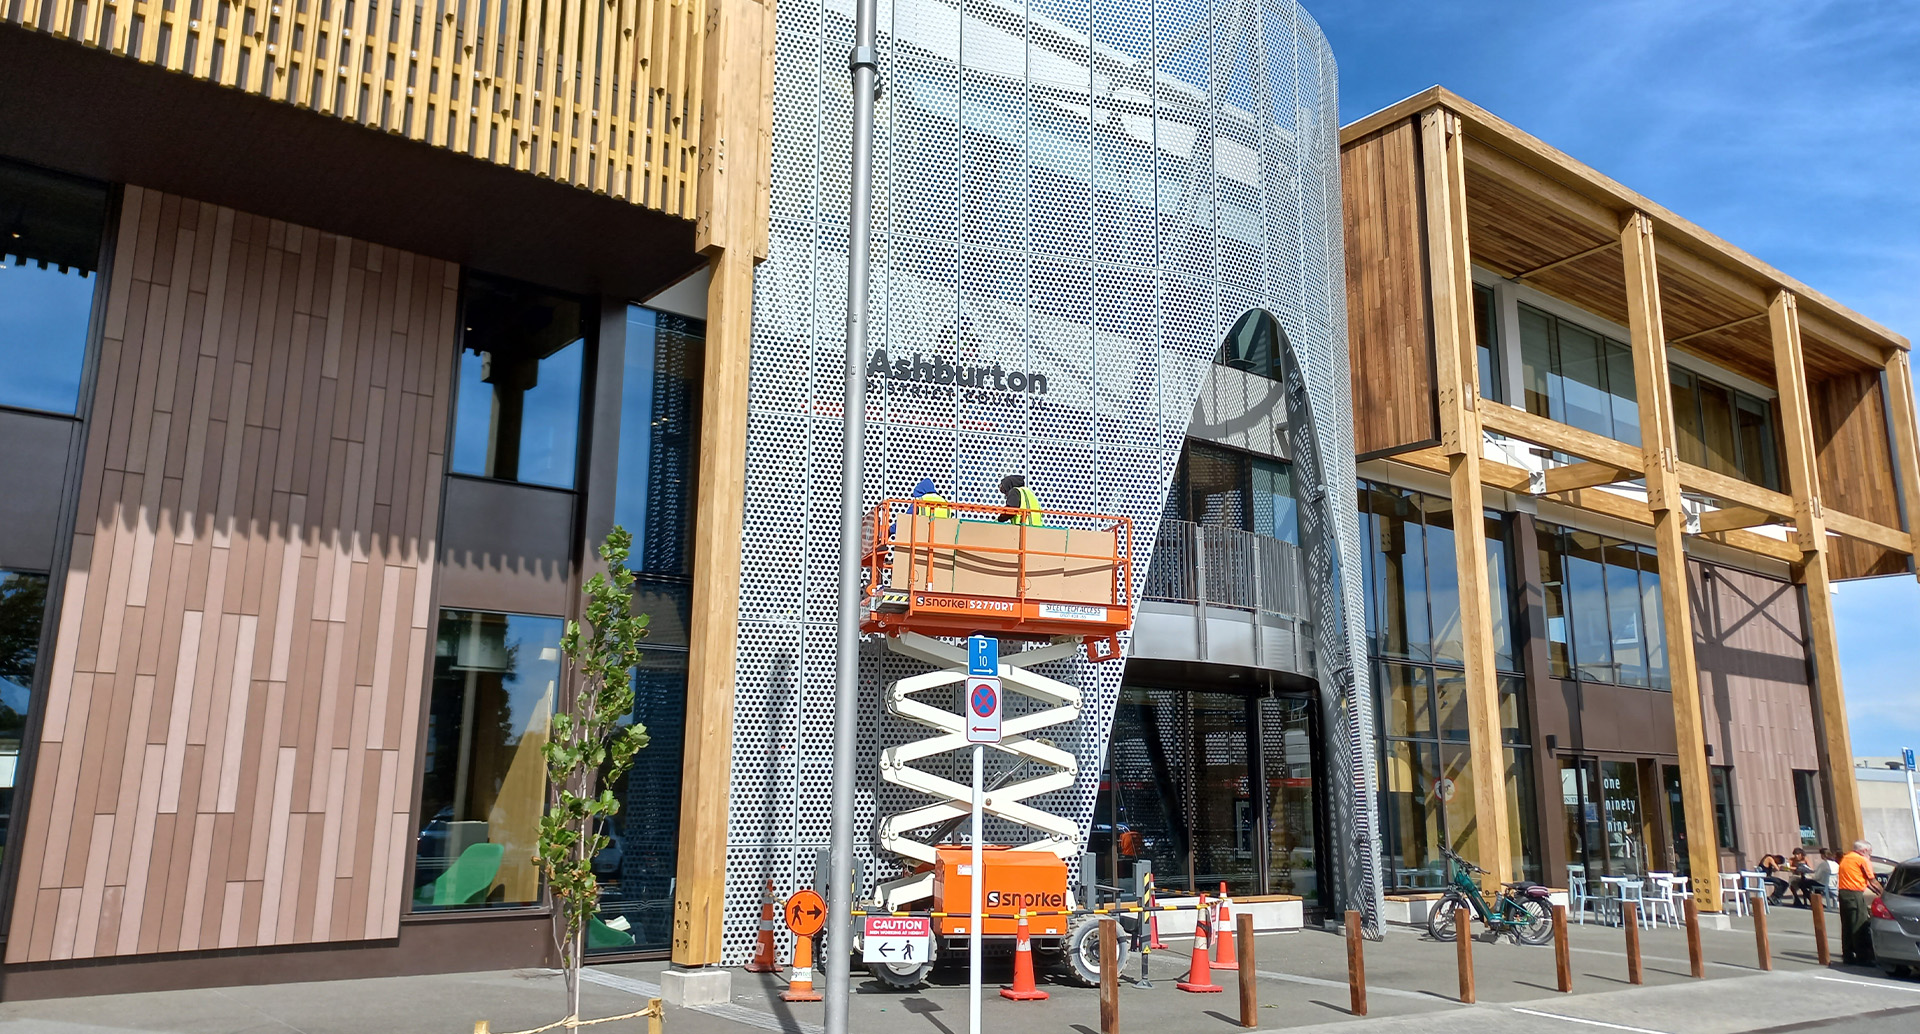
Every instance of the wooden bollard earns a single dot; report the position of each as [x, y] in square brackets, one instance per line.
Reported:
[1818, 902]
[1249, 992]
[1758, 903]
[1463, 943]
[1696, 960]
[1630, 918]
[1562, 952]
[1109, 975]
[481, 1027]
[1356, 967]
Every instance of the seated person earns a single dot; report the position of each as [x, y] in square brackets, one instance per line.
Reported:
[1821, 876]
[1776, 869]
[1797, 871]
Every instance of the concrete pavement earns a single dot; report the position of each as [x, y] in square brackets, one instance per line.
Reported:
[1302, 987]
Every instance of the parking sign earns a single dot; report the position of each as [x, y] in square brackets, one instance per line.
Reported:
[983, 709]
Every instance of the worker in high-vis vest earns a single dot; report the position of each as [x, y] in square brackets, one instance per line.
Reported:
[928, 499]
[1020, 497]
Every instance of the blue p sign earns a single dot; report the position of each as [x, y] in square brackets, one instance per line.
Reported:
[983, 655]
[1907, 756]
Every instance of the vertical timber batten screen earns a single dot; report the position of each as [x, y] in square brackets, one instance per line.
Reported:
[233, 715]
[600, 95]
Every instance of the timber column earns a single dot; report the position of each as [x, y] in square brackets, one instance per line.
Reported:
[735, 138]
[1660, 454]
[1810, 534]
[1457, 382]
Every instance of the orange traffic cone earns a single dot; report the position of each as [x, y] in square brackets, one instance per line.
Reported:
[1199, 980]
[764, 960]
[1225, 955]
[1153, 917]
[1023, 989]
[800, 988]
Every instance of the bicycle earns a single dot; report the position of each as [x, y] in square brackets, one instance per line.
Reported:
[1521, 908]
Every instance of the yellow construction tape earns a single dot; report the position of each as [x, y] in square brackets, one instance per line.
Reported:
[654, 1014]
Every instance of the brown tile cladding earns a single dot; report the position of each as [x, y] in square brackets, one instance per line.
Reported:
[230, 723]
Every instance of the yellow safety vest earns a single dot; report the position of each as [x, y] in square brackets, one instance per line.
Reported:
[925, 506]
[1029, 508]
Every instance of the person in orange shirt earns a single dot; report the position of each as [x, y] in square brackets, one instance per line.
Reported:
[1856, 882]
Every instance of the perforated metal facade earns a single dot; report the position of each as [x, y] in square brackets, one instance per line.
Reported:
[1085, 195]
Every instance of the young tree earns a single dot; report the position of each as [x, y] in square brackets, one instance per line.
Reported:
[588, 749]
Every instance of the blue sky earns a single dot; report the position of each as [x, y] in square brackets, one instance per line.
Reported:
[1787, 128]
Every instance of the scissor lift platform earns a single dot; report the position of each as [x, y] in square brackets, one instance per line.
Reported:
[957, 569]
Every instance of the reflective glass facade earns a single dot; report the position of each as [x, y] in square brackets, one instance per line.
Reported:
[50, 230]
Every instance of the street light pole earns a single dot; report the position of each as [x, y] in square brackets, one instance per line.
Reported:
[863, 65]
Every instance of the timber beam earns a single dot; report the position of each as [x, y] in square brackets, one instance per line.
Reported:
[1906, 438]
[1575, 257]
[1803, 480]
[1579, 475]
[1456, 378]
[1735, 517]
[1518, 423]
[1660, 451]
[1868, 531]
[1729, 489]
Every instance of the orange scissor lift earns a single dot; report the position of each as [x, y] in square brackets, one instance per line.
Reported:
[934, 572]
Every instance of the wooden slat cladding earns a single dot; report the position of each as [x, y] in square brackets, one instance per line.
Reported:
[1850, 440]
[1751, 649]
[1389, 336]
[233, 709]
[600, 94]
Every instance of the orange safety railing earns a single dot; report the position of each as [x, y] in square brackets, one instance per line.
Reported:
[956, 569]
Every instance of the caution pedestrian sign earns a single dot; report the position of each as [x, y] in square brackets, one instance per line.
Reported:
[897, 939]
[983, 709]
[806, 912]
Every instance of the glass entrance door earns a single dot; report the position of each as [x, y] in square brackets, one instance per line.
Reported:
[1213, 788]
[1606, 827]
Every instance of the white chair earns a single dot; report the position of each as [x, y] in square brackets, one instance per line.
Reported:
[1580, 901]
[1752, 881]
[1612, 892]
[1635, 891]
[1661, 899]
[1731, 900]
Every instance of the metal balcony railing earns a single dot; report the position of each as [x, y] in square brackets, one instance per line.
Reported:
[1225, 567]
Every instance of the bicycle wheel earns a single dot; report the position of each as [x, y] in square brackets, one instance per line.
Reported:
[1531, 920]
[1440, 920]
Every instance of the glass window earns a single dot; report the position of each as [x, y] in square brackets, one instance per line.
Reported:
[1409, 712]
[1625, 829]
[654, 491]
[1653, 619]
[23, 601]
[1522, 806]
[1723, 820]
[1487, 340]
[1276, 514]
[1676, 818]
[1450, 703]
[1213, 484]
[636, 871]
[1552, 546]
[1286, 747]
[517, 413]
[1624, 615]
[1501, 594]
[1621, 393]
[1758, 462]
[50, 230]
[1443, 580]
[1686, 418]
[1716, 423]
[1586, 598]
[1536, 363]
[1583, 377]
[495, 677]
[1411, 815]
[1806, 802]
[1513, 710]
